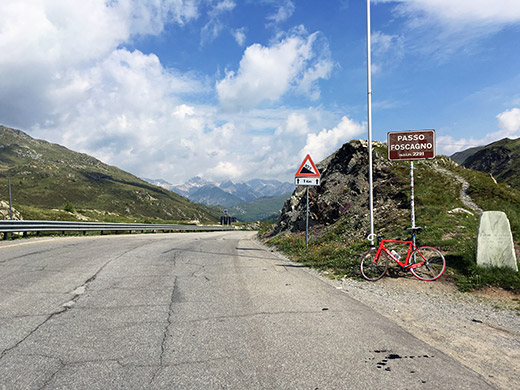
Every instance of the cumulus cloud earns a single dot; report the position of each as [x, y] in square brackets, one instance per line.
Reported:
[265, 74]
[325, 142]
[509, 121]
[508, 127]
[52, 43]
[69, 79]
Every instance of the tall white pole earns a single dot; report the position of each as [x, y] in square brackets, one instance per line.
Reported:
[369, 106]
[307, 219]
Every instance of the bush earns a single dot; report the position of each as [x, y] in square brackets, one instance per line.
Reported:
[68, 207]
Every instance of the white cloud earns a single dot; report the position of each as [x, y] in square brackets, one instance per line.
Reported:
[387, 50]
[226, 170]
[442, 28]
[53, 44]
[284, 12]
[214, 26]
[239, 35]
[297, 125]
[320, 145]
[464, 11]
[68, 79]
[265, 74]
[509, 121]
[508, 127]
[225, 6]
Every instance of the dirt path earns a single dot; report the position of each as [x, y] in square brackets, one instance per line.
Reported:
[464, 196]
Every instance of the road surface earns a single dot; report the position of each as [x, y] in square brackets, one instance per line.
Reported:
[195, 311]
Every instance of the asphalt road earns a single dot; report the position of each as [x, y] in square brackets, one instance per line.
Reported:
[195, 311]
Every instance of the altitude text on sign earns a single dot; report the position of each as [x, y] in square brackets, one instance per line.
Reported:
[411, 145]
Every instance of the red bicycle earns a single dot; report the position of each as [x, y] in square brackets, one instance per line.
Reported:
[425, 262]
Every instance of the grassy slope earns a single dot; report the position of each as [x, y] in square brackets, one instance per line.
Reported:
[501, 159]
[259, 209]
[455, 234]
[46, 176]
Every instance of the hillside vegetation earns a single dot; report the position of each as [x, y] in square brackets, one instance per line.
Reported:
[260, 209]
[339, 220]
[500, 159]
[49, 181]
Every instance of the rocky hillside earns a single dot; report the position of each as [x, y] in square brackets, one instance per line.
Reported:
[339, 208]
[343, 193]
[47, 178]
[500, 159]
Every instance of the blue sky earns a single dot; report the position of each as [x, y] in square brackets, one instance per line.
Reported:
[230, 89]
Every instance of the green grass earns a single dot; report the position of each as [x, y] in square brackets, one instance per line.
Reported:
[260, 209]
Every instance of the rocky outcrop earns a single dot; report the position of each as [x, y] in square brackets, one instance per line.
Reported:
[5, 213]
[343, 193]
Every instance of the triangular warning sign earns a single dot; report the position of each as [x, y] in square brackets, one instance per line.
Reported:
[307, 169]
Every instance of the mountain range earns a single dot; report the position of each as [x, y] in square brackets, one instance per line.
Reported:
[227, 193]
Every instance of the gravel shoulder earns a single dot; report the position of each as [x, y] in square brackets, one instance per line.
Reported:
[481, 329]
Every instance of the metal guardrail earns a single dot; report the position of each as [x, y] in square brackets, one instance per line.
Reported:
[9, 226]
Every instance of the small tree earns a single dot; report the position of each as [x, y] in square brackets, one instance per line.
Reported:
[68, 207]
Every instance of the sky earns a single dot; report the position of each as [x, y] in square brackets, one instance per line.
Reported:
[244, 89]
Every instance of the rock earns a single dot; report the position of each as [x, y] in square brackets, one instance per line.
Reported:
[495, 246]
[343, 193]
[5, 214]
[460, 210]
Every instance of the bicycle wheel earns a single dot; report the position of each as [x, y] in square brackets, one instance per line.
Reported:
[432, 263]
[371, 268]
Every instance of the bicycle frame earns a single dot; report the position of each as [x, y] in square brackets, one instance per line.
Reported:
[411, 248]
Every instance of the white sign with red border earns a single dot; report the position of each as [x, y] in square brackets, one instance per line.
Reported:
[307, 174]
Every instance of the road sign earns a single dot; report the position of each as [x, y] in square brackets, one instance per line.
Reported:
[411, 145]
[307, 174]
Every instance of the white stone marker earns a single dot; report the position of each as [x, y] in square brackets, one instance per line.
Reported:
[495, 242]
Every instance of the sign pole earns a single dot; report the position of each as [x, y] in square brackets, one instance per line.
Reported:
[369, 119]
[307, 220]
[10, 203]
[412, 202]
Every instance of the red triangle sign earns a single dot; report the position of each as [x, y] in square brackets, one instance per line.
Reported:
[307, 169]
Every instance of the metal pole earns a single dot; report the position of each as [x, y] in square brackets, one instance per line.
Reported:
[10, 203]
[369, 107]
[412, 202]
[307, 221]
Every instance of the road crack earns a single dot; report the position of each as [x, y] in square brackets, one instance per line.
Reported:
[77, 292]
[169, 322]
